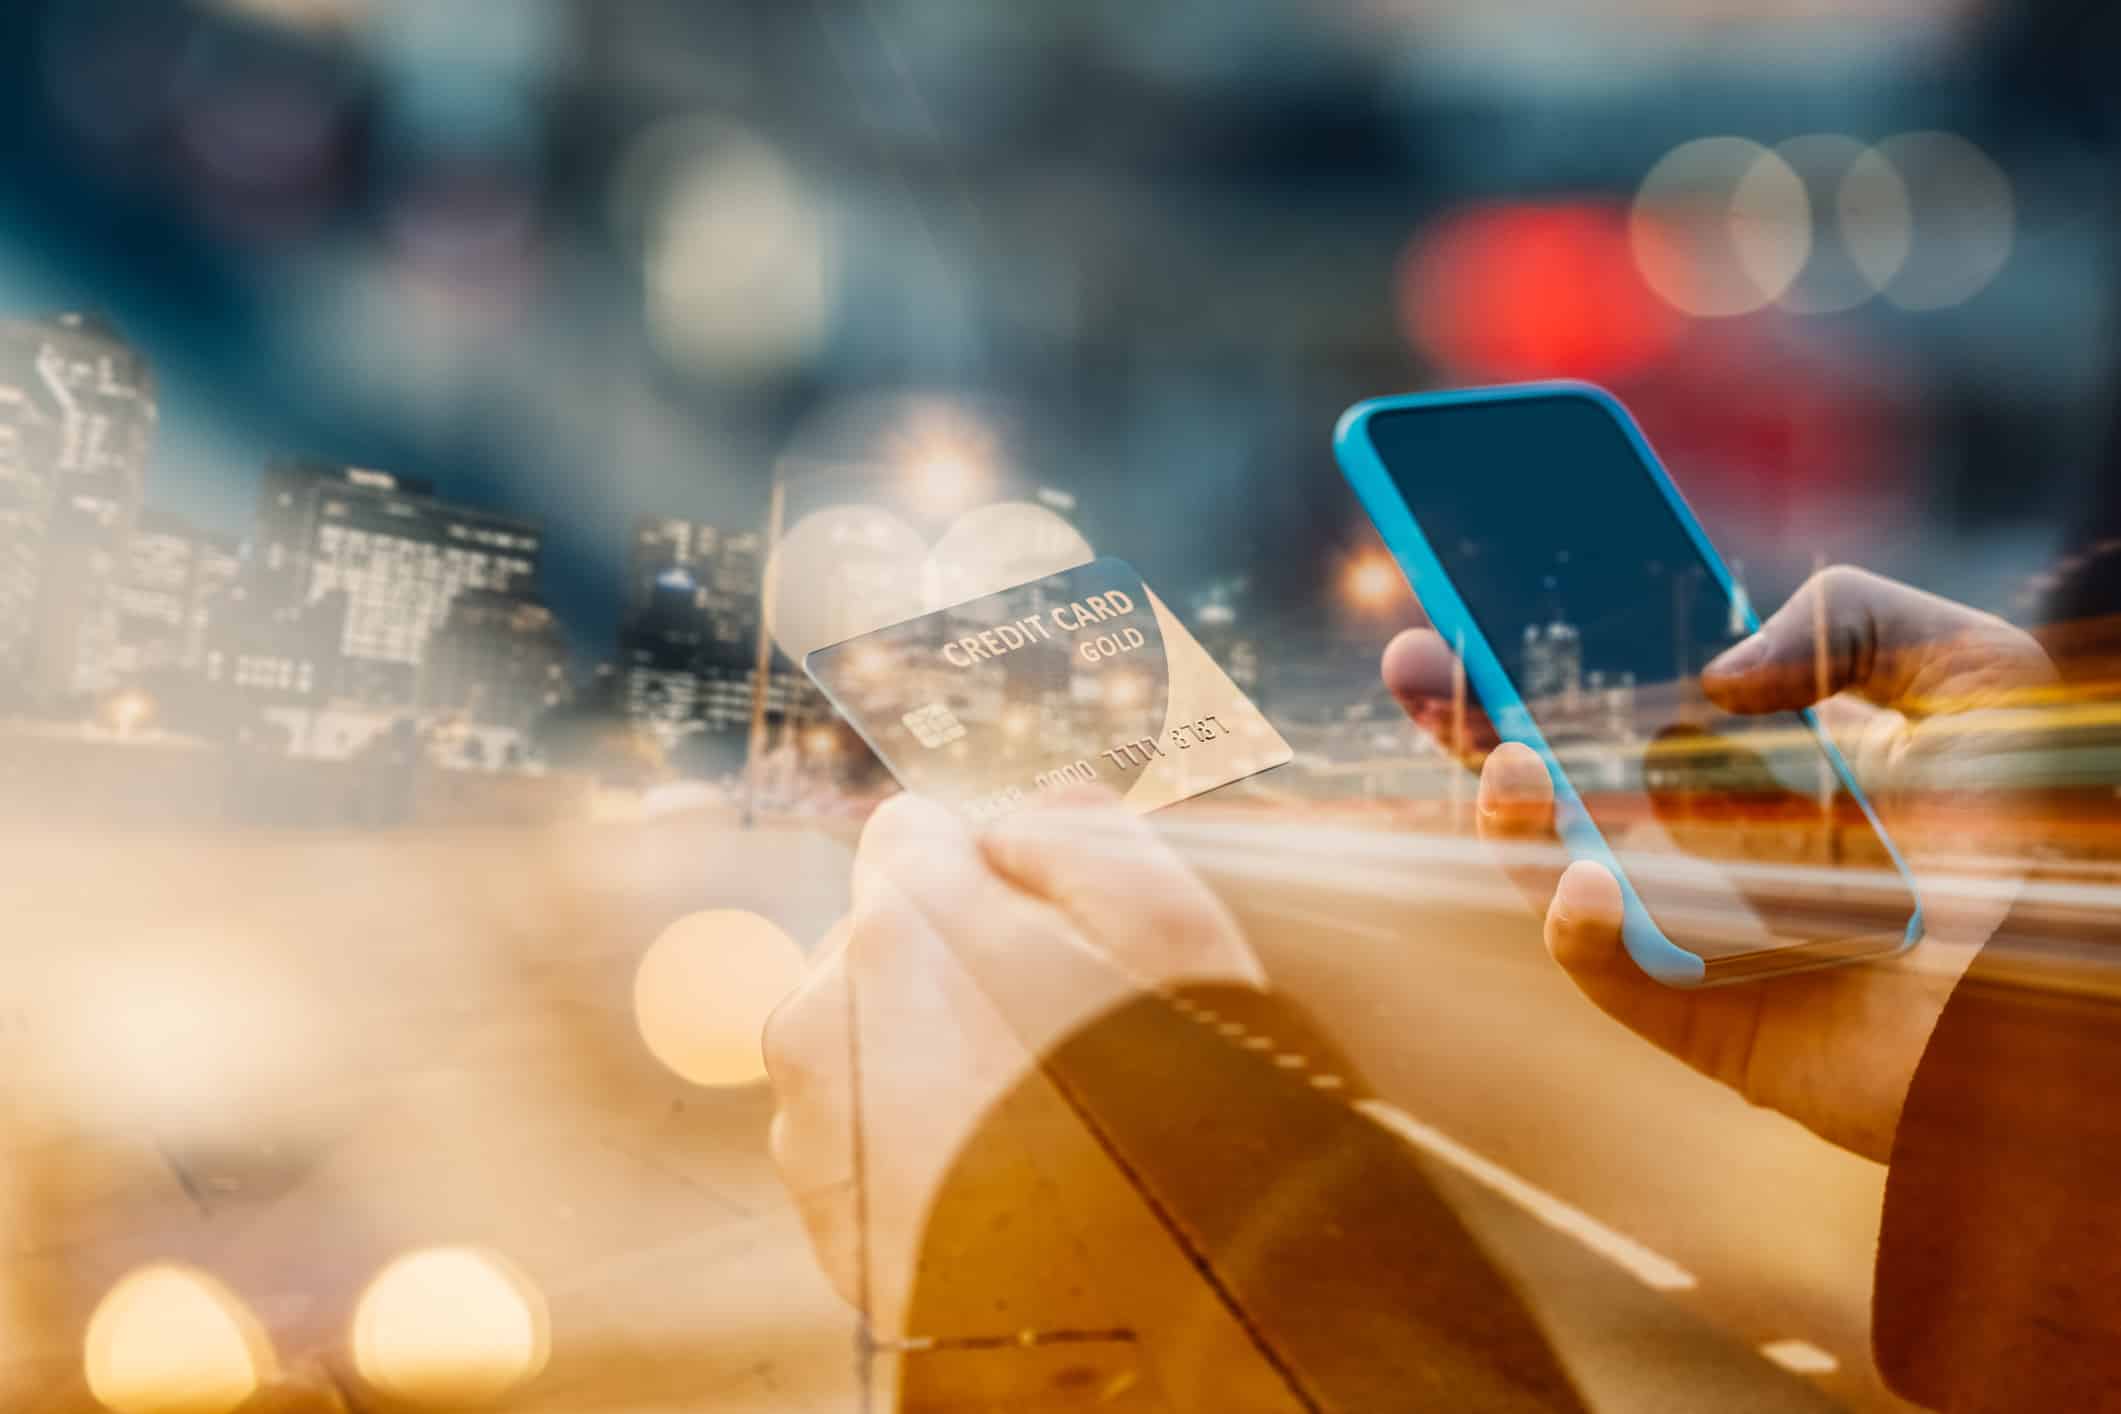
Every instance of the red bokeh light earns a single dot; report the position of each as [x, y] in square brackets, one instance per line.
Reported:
[1533, 291]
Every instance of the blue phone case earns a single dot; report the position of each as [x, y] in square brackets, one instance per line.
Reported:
[1656, 954]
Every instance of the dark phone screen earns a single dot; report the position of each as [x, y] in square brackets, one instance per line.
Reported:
[1734, 831]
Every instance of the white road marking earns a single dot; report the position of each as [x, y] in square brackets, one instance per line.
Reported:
[1800, 1357]
[1652, 1269]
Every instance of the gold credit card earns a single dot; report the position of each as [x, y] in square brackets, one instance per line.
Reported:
[1084, 676]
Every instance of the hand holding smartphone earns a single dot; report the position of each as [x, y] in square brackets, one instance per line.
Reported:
[1548, 546]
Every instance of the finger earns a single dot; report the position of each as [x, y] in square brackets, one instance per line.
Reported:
[1423, 675]
[1583, 925]
[1584, 934]
[1123, 887]
[1713, 1031]
[1515, 818]
[1848, 629]
[1418, 666]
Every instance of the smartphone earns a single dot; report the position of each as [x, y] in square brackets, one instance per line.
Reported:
[1548, 545]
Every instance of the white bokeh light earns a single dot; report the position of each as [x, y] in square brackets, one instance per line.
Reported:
[209, 1035]
[999, 546]
[704, 989]
[1721, 226]
[942, 455]
[168, 1339]
[841, 572]
[1860, 223]
[1963, 216]
[450, 1328]
[737, 255]
[1876, 221]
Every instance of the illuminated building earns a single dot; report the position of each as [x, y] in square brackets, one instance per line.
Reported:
[175, 577]
[26, 436]
[497, 659]
[1553, 662]
[688, 643]
[394, 555]
[702, 575]
[78, 405]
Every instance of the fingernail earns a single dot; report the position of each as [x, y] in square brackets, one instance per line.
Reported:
[1739, 658]
[1518, 776]
[1583, 892]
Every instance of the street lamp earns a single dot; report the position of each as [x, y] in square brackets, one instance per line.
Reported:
[1370, 581]
[943, 457]
[129, 710]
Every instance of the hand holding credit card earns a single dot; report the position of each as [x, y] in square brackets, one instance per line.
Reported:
[1083, 676]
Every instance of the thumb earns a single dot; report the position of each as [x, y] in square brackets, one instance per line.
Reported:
[1844, 629]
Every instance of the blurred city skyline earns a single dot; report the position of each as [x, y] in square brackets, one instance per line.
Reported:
[555, 267]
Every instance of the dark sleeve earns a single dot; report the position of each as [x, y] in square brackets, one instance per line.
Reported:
[1302, 1228]
[1999, 1261]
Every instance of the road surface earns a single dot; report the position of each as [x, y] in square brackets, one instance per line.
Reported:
[287, 1060]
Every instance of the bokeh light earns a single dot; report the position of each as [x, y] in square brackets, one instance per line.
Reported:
[1859, 223]
[704, 989]
[1721, 226]
[942, 456]
[1532, 291]
[450, 1327]
[737, 255]
[1963, 215]
[168, 1339]
[996, 547]
[211, 1036]
[840, 572]
[1371, 581]
[1874, 217]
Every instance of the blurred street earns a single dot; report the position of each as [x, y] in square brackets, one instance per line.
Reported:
[427, 1041]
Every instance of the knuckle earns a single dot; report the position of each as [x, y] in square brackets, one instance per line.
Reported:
[1843, 585]
[1842, 577]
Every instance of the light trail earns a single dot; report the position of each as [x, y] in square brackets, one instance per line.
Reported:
[2054, 937]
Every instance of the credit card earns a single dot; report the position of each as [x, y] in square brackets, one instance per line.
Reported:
[1084, 676]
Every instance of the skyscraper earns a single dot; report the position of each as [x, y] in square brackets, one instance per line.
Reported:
[175, 575]
[498, 659]
[81, 413]
[691, 579]
[395, 554]
[27, 451]
[1553, 662]
[687, 645]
